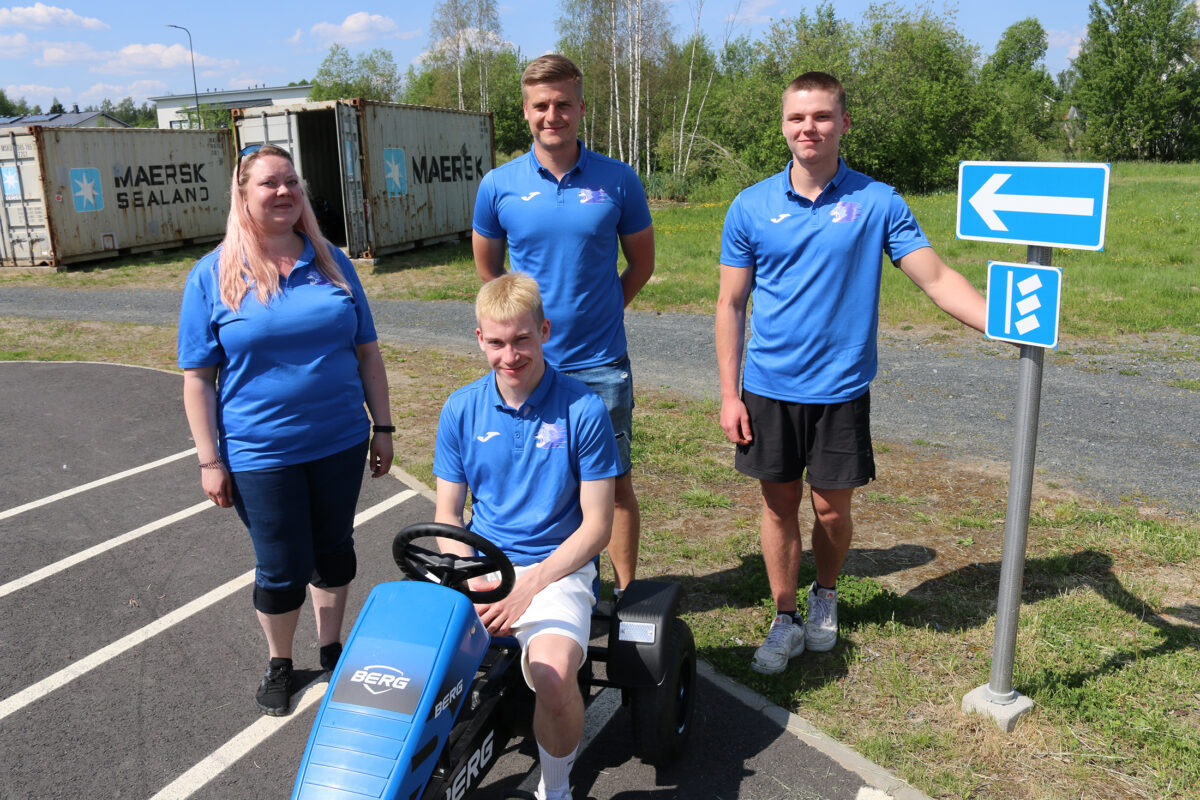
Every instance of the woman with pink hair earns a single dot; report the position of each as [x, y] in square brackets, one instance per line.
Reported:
[279, 354]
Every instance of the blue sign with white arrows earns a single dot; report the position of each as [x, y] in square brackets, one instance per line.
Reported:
[1023, 302]
[1051, 204]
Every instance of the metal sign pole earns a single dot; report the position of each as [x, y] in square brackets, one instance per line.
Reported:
[998, 698]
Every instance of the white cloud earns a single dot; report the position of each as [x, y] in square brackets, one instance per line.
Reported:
[154, 57]
[752, 13]
[473, 37]
[41, 15]
[1068, 39]
[1057, 38]
[36, 94]
[138, 90]
[57, 54]
[296, 37]
[14, 46]
[360, 27]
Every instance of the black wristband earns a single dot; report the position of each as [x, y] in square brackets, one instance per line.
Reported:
[383, 428]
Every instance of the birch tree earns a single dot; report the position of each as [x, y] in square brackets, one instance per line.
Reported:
[448, 29]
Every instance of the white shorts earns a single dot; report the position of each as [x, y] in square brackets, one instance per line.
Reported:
[564, 607]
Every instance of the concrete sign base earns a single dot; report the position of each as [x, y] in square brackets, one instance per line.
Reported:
[1005, 714]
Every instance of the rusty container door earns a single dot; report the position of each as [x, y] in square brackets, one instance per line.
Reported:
[421, 172]
[323, 138]
[358, 238]
[111, 191]
[24, 235]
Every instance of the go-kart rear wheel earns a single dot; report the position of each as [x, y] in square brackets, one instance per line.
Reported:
[662, 715]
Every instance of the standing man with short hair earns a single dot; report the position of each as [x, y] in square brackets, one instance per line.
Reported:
[806, 244]
[563, 210]
[536, 450]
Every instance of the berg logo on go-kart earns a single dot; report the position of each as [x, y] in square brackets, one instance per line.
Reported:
[379, 678]
[445, 702]
[468, 774]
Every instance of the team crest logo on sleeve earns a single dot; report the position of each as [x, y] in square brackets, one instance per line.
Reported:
[551, 436]
[594, 194]
[845, 211]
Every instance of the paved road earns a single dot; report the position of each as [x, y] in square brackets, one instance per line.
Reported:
[129, 651]
[1113, 423]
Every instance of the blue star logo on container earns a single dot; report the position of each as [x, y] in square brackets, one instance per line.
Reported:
[12, 186]
[395, 177]
[86, 189]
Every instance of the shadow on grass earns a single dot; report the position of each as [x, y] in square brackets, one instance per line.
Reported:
[960, 600]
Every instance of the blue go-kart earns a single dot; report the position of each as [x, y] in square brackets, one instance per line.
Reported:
[424, 699]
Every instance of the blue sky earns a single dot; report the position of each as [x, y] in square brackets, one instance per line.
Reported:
[84, 52]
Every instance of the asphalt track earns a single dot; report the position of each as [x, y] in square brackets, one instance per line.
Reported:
[129, 651]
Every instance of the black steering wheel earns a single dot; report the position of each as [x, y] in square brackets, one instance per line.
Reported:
[447, 569]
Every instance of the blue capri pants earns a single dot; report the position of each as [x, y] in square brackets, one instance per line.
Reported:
[301, 522]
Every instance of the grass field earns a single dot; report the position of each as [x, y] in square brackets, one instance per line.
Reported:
[1110, 617]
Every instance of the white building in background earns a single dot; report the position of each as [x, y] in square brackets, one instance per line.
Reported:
[179, 110]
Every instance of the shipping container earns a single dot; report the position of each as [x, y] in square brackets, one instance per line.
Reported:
[76, 194]
[383, 177]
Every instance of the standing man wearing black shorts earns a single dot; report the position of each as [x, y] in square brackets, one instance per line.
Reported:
[807, 243]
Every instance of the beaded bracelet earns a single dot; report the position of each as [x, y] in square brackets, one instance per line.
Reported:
[217, 464]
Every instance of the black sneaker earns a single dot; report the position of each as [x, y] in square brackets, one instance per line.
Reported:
[330, 654]
[274, 695]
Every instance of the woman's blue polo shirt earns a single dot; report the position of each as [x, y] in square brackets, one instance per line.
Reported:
[524, 466]
[288, 388]
[817, 269]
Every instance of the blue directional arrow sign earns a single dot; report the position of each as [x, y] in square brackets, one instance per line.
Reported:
[1051, 204]
[1023, 302]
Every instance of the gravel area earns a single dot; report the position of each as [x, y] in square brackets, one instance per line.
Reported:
[1112, 423]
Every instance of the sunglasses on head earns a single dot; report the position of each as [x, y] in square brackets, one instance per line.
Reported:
[254, 148]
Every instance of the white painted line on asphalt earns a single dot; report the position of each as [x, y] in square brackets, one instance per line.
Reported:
[224, 757]
[86, 664]
[92, 552]
[45, 501]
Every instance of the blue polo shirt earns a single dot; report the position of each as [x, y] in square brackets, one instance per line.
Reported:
[524, 466]
[565, 234]
[288, 388]
[816, 281]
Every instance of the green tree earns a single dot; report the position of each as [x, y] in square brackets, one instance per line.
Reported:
[1137, 80]
[371, 76]
[916, 104]
[143, 116]
[621, 46]
[13, 108]
[1015, 74]
[56, 107]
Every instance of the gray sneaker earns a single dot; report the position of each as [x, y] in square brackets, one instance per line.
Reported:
[784, 640]
[821, 626]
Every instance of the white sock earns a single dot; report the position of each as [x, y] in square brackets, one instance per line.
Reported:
[556, 773]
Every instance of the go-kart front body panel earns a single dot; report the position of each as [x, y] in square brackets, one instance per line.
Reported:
[405, 672]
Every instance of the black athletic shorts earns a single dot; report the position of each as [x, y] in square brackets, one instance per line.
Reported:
[832, 442]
